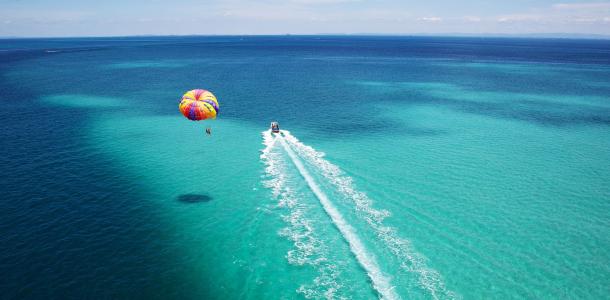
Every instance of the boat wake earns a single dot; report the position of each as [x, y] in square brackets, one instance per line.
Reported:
[428, 279]
[308, 250]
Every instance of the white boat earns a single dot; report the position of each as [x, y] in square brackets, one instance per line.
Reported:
[275, 127]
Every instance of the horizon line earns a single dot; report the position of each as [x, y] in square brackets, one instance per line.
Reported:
[547, 35]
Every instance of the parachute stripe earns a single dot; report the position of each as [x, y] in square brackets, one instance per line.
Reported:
[192, 113]
[213, 104]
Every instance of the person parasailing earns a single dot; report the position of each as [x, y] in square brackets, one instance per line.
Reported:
[198, 105]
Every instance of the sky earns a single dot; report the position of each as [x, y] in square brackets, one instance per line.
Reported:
[42, 18]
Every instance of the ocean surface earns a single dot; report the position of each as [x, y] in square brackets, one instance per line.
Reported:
[411, 168]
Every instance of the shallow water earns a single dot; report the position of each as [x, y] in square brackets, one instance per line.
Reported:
[415, 168]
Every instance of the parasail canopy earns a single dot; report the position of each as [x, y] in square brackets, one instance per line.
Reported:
[199, 105]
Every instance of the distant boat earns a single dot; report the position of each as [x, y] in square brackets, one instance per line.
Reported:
[275, 127]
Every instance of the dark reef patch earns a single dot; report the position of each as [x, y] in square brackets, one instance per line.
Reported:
[194, 198]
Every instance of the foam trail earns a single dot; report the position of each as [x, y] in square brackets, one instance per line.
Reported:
[429, 279]
[308, 248]
[380, 283]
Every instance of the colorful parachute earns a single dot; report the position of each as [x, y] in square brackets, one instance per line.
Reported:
[199, 105]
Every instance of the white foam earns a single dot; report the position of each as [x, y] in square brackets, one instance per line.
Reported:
[429, 279]
[308, 250]
[380, 282]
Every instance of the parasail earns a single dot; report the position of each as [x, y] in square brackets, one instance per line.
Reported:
[199, 105]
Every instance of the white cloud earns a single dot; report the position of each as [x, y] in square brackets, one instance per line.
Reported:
[520, 18]
[586, 20]
[430, 19]
[472, 19]
[46, 16]
[582, 6]
[592, 12]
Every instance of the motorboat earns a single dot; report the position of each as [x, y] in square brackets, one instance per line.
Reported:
[275, 127]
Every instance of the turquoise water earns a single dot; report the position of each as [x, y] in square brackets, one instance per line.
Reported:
[411, 168]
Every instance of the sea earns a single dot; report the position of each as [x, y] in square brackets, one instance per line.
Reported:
[407, 168]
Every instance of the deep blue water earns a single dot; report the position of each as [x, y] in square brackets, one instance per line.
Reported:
[108, 193]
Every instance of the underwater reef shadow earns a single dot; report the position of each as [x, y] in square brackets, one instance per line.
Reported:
[194, 198]
[538, 109]
[344, 128]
